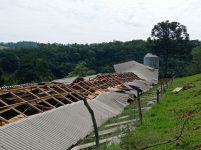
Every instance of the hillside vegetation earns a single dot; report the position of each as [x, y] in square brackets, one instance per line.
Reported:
[45, 62]
[177, 118]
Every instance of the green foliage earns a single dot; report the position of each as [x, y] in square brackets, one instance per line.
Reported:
[165, 120]
[81, 70]
[195, 67]
[1, 78]
[33, 69]
[169, 40]
[9, 62]
[111, 147]
[45, 62]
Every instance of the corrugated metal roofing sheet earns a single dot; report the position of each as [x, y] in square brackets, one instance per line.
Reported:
[143, 85]
[144, 72]
[87, 78]
[65, 80]
[60, 128]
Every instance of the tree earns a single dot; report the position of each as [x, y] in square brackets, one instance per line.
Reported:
[1, 78]
[81, 70]
[195, 66]
[168, 39]
[9, 62]
[33, 69]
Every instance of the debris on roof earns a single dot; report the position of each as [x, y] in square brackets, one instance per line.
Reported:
[23, 101]
[52, 115]
[144, 72]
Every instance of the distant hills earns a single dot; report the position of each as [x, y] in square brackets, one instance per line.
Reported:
[3, 47]
[18, 44]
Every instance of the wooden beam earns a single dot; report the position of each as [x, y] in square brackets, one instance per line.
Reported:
[25, 101]
[69, 93]
[61, 95]
[90, 87]
[88, 92]
[4, 120]
[75, 92]
[52, 96]
[41, 98]
[13, 108]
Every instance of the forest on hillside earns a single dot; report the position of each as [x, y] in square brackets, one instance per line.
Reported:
[45, 62]
[27, 61]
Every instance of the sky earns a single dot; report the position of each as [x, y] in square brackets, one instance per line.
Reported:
[92, 21]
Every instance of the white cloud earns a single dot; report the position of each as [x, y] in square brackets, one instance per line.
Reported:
[88, 21]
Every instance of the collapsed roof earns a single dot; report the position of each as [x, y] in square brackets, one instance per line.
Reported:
[144, 72]
[53, 116]
[22, 101]
[60, 128]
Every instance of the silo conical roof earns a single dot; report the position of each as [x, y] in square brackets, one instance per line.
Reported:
[150, 55]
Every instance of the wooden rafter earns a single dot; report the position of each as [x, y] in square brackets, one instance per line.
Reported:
[37, 96]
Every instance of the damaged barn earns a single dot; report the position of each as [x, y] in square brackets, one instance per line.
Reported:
[52, 115]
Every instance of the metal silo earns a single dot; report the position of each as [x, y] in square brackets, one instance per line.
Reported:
[151, 60]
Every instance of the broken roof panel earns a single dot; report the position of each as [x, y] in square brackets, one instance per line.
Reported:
[53, 116]
[144, 72]
[59, 128]
[67, 81]
[141, 84]
[87, 78]
[23, 101]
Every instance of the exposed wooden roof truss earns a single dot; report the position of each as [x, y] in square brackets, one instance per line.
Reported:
[18, 102]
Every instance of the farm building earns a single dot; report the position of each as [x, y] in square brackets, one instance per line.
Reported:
[151, 60]
[53, 116]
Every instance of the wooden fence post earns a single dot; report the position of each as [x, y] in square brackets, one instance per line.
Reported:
[172, 79]
[158, 96]
[93, 121]
[138, 101]
[164, 87]
[161, 88]
[139, 106]
[167, 83]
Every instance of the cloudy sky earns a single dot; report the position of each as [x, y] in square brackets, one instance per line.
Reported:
[92, 21]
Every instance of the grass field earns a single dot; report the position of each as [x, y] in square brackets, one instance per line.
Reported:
[164, 122]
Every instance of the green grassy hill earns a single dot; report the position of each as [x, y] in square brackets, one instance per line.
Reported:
[164, 122]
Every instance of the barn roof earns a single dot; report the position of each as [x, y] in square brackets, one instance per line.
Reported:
[144, 72]
[52, 115]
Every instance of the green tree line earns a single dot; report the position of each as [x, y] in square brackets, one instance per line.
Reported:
[46, 62]
[35, 62]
